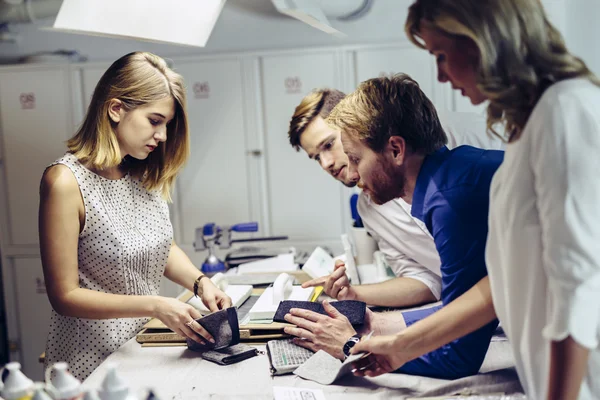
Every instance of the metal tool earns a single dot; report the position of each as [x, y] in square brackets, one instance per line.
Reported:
[210, 235]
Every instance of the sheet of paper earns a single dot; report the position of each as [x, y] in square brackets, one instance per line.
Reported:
[281, 263]
[319, 264]
[295, 393]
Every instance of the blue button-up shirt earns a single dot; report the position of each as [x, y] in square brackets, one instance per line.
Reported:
[451, 197]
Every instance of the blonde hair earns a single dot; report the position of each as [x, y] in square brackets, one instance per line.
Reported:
[521, 52]
[135, 79]
[317, 103]
[383, 107]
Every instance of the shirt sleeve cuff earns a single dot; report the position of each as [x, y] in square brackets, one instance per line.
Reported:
[434, 285]
[575, 312]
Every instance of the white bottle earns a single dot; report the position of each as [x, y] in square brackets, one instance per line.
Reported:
[91, 395]
[351, 269]
[63, 386]
[113, 386]
[16, 385]
[40, 392]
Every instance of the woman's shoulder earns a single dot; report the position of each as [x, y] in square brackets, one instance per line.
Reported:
[578, 90]
[59, 179]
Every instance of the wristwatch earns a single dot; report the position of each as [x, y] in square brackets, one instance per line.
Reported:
[350, 344]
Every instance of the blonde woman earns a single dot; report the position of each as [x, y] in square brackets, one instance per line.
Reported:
[105, 235]
[544, 231]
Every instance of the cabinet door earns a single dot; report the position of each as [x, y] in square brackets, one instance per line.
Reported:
[35, 113]
[304, 201]
[90, 75]
[34, 312]
[372, 63]
[213, 187]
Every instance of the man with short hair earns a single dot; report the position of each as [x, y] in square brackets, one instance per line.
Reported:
[415, 284]
[405, 241]
[394, 140]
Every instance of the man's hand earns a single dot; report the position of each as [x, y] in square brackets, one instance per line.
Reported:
[336, 285]
[315, 331]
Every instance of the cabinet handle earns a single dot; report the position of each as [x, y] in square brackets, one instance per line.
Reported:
[255, 152]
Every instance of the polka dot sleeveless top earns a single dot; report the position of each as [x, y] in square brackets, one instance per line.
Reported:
[123, 249]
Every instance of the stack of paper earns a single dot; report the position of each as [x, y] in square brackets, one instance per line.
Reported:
[281, 263]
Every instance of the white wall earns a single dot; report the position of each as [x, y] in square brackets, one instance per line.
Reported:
[583, 31]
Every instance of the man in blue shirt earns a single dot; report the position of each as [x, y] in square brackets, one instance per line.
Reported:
[394, 140]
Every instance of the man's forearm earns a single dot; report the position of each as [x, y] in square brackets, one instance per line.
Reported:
[568, 366]
[397, 292]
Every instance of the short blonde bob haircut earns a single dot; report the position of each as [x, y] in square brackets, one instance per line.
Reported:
[521, 53]
[135, 79]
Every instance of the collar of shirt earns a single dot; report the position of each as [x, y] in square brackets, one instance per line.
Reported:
[430, 165]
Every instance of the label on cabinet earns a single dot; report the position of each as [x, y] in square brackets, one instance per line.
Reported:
[27, 101]
[293, 85]
[40, 285]
[201, 90]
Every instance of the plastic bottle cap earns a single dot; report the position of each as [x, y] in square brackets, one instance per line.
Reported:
[64, 385]
[40, 392]
[113, 386]
[16, 384]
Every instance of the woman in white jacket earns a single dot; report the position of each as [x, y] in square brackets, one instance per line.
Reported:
[543, 265]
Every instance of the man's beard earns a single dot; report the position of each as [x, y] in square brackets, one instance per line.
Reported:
[388, 184]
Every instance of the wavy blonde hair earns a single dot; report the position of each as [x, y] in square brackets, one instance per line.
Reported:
[521, 52]
[317, 103]
[135, 79]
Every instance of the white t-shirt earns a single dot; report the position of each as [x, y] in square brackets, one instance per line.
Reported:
[404, 240]
[543, 249]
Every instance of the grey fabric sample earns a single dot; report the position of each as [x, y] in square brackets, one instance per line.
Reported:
[354, 310]
[223, 326]
[230, 355]
[324, 368]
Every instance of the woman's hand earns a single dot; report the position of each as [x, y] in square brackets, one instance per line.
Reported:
[385, 354]
[181, 319]
[213, 297]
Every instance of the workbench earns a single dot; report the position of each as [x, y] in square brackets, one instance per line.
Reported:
[180, 374]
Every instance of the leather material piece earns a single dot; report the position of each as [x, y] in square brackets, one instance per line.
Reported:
[354, 310]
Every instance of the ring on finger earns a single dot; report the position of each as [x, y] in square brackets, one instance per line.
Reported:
[189, 324]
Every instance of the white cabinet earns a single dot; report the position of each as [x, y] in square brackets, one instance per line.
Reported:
[33, 310]
[213, 187]
[90, 75]
[35, 115]
[386, 61]
[304, 201]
